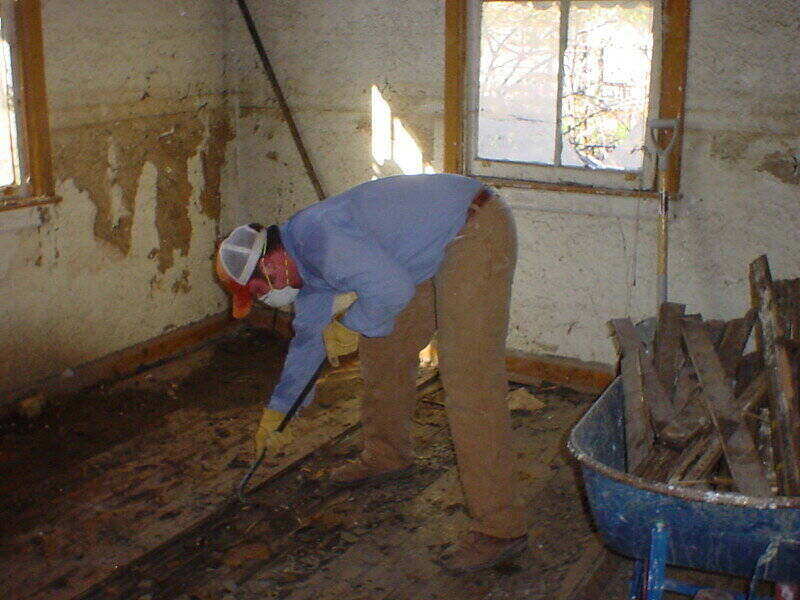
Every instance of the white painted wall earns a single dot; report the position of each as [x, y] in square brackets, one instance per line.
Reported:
[583, 259]
[139, 94]
[121, 77]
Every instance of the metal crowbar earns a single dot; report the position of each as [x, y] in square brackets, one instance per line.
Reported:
[242, 487]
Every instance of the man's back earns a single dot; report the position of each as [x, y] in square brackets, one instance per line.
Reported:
[411, 218]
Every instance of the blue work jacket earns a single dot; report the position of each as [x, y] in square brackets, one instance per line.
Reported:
[379, 239]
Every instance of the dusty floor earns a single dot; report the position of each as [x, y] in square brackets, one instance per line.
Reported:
[382, 541]
[125, 492]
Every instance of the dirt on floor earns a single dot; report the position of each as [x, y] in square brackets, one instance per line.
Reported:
[301, 538]
[40, 456]
[124, 491]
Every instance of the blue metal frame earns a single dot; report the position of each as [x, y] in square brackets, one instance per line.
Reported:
[659, 524]
[656, 583]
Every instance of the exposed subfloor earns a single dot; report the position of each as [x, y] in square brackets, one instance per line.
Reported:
[125, 492]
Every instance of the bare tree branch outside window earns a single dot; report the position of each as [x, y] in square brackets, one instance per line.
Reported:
[605, 88]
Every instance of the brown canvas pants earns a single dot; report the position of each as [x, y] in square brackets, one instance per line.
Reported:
[467, 303]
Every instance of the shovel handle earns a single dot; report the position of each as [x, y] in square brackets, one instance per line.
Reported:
[656, 125]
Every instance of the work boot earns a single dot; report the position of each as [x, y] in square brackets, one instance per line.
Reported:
[356, 472]
[478, 551]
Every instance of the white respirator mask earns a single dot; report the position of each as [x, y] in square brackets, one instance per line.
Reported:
[281, 297]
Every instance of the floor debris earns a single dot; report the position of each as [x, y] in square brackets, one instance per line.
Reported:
[139, 506]
[522, 399]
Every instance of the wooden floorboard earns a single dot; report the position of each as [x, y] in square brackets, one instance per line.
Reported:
[119, 503]
[393, 556]
[148, 512]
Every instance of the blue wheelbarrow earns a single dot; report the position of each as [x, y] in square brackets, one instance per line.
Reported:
[659, 524]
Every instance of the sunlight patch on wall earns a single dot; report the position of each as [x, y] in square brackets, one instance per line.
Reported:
[405, 151]
[394, 149]
[381, 128]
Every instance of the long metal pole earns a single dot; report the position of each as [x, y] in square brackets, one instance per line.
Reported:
[276, 88]
[667, 128]
[663, 238]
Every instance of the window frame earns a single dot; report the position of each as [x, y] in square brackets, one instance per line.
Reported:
[670, 79]
[27, 55]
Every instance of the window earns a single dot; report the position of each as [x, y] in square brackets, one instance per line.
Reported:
[25, 170]
[560, 91]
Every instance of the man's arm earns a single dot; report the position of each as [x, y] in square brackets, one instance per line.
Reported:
[306, 350]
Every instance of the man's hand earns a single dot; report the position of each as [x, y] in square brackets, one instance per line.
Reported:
[339, 341]
[266, 437]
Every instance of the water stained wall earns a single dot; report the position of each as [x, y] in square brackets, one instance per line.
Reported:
[143, 157]
[106, 161]
[165, 132]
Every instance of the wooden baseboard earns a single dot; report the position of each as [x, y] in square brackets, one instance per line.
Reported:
[583, 376]
[522, 367]
[123, 362]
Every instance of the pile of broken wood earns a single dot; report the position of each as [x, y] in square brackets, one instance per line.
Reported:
[701, 412]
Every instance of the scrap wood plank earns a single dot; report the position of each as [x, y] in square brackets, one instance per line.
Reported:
[657, 405]
[734, 340]
[787, 293]
[715, 329]
[752, 398]
[750, 366]
[698, 460]
[791, 308]
[737, 445]
[658, 464]
[691, 419]
[655, 395]
[686, 385]
[667, 345]
[689, 423]
[783, 384]
[639, 435]
[690, 455]
[763, 437]
[705, 463]
[755, 394]
[787, 417]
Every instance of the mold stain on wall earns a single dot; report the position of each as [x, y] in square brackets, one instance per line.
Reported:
[213, 158]
[731, 146]
[106, 160]
[783, 165]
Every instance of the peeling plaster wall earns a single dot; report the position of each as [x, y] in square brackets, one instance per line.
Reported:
[141, 132]
[583, 260]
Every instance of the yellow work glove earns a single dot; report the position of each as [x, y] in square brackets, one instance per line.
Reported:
[266, 437]
[339, 341]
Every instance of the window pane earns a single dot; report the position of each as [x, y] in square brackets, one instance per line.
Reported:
[8, 130]
[518, 81]
[606, 84]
